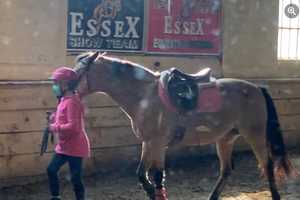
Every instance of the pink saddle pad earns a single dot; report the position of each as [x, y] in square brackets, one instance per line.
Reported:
[209, 100]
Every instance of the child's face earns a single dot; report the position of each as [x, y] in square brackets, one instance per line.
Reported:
[59, 88]
[62, 84]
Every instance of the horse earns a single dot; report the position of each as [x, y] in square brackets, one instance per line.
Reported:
[247, 111]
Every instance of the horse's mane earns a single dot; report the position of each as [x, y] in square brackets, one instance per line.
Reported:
[130, 64]
[123, 62]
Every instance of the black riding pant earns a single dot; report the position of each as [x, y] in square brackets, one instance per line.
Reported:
[75, 164]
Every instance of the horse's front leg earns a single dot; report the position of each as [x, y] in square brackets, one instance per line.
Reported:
[159, 179]
[143, 170]
[158, 166]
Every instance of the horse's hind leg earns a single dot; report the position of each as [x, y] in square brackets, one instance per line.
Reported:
[143, 169]
[224, 149]
[257, 140]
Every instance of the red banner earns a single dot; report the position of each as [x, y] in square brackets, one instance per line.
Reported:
[184, 26]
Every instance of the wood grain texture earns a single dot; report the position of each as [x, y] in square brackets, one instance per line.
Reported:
[29, 143]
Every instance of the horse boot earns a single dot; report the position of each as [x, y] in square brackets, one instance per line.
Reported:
[161, 194]
[159, 179]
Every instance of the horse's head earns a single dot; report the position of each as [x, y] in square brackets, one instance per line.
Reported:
[83, 65]
[100, 73]
[96, 72]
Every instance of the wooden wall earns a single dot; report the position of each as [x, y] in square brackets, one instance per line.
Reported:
[250, 31]
[22, 114]
[33, 44]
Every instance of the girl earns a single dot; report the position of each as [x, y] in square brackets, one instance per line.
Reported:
[68, 124]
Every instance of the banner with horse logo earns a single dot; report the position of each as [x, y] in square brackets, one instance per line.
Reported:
[184, 26]
[105, 24]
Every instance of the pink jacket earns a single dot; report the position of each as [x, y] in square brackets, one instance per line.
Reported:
[69, 126]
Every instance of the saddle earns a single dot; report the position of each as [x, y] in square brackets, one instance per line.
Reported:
[183, 89]
[182, 93]
[203, 75]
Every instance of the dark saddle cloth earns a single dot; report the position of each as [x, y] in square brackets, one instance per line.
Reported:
[183, 89]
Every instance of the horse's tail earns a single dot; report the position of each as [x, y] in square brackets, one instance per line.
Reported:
[282, 165]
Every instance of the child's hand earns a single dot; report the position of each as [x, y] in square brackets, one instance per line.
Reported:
[52, 118]
[53, 128]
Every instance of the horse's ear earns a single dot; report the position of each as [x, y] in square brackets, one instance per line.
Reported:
[91, 58]
[86, 59]
[94, 56]
[103, 54]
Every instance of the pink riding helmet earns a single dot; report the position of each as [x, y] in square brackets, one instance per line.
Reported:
[64, 74]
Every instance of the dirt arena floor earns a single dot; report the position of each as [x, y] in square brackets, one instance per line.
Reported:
[188, 178]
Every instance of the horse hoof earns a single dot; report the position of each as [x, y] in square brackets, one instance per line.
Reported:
[161, 194]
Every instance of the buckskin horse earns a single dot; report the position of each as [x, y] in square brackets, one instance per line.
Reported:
[235, 108]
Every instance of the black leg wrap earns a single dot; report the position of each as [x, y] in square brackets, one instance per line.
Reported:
[147, 186]
[144, 181]
[159, 178]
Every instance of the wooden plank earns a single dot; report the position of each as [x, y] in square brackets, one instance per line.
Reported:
[290, 122]
[26, 71]
[15, 121]
[97, 100]
[291, 140]
[29, 143]
[22, 97]
[242, 56]
[29, 165]
[37, 96]
[106, 117]
[44, 44]
[288, 106]
[40, 96]
[112, 159]
[104, 160]
[33, 164]
[23, 165]
[116, 136]
[280, 88]
[34, 120]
